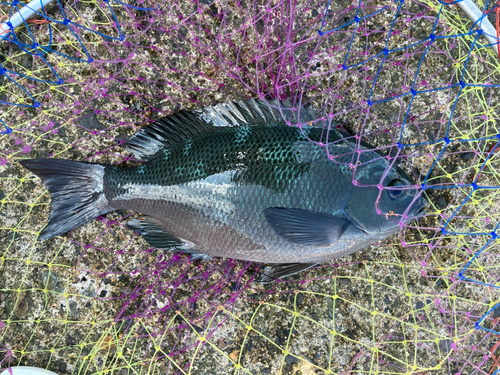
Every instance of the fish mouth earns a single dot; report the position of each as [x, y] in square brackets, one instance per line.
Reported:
[419, 211]
[422, 212]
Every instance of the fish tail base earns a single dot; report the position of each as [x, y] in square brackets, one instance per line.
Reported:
[77, 191]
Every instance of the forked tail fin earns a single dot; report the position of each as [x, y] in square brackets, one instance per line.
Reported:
[76, 189]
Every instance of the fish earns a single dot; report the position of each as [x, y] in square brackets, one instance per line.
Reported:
[236, 180]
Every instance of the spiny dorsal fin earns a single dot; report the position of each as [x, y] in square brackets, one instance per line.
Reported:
[183, 124]
[304, 115]
[258, 112]
[242, 112]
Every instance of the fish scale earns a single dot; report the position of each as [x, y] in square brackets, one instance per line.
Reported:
[266, 148]
[234, 180]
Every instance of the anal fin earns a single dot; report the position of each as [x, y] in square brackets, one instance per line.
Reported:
[279, 271]
[150, 229]
[153, 233]
[194, 255]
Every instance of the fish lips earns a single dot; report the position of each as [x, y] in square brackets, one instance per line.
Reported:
[417, 211]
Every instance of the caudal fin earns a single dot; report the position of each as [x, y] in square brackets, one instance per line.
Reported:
[76, 189]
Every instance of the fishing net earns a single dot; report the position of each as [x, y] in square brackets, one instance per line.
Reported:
[417, 80]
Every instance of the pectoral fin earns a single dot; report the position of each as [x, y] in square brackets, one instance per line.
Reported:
[307, 228]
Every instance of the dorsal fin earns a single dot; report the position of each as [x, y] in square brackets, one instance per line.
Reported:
[165, 132]
[242, 112]
[183, 124]
[303, 114]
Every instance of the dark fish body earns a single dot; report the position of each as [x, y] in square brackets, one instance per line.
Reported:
[234, 180]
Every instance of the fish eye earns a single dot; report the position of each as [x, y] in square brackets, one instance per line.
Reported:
[395, 194]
